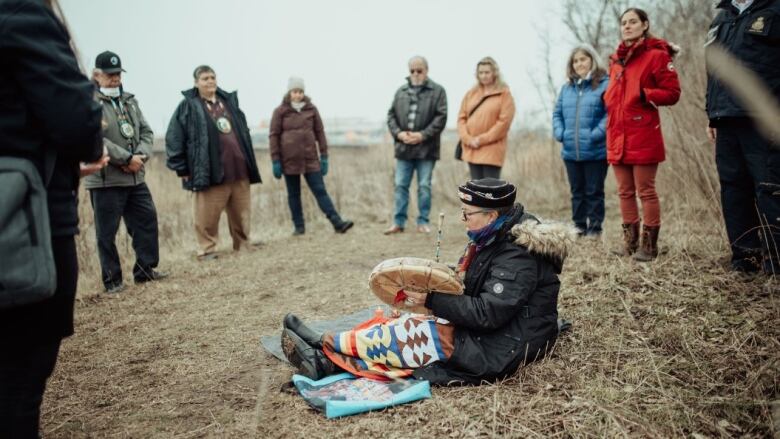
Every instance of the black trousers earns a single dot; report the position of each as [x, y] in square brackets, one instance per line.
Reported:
[23, 374]
[135, 205]
[479, 172]
[29, 343]
[749, 170]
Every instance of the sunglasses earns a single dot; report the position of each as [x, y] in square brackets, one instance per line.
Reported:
[418, 71]
[466, 215]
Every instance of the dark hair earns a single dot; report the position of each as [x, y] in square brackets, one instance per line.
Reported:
[642, 17]
[201, 70]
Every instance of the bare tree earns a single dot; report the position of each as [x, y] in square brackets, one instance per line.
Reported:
[595, 22]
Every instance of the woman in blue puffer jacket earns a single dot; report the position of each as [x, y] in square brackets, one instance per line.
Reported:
[579, 122]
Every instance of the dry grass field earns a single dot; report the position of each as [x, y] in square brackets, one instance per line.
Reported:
[676, 348]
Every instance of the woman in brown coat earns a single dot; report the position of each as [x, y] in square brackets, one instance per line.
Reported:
[298, 147]
[486, 114]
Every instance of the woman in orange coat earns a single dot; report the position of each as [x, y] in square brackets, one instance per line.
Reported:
[486, 114]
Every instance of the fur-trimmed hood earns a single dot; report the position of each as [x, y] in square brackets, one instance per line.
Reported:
[650, 43]
[551, 239]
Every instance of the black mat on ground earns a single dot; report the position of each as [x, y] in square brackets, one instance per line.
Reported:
[273, 343]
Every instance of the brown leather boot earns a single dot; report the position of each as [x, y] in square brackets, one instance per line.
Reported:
[630, 240]
[648, 250]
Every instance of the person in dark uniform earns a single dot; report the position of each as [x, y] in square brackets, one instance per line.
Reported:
[748, 161]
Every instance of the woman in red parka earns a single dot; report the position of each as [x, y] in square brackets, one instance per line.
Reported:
[641, 78]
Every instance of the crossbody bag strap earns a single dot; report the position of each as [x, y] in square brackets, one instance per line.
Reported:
[484, 98]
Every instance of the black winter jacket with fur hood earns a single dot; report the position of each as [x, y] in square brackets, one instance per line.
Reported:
[508, 314]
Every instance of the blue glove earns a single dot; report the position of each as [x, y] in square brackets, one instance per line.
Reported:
[277, 169]
[324, 165]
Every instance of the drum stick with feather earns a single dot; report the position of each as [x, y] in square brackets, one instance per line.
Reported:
[438, 235]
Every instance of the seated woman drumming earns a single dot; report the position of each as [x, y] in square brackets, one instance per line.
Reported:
[506, 317]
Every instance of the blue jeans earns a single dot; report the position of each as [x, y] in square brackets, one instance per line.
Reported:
[404, 171]
[586, 179]
[317, 186]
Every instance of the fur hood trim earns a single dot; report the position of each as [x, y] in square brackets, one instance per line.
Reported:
[551, 239]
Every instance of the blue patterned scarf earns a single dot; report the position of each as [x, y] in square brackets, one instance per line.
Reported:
[479, 239]
[487, 234]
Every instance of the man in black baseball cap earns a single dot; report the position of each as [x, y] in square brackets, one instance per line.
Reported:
[109, 62]
[120, 191]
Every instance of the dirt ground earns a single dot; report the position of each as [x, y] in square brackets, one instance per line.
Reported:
[679, 347]
[181, 358]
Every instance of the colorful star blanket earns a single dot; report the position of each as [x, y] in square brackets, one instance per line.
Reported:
[390, 348]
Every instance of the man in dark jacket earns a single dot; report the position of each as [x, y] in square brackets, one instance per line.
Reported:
[506, 316]
[47, 115]
[748, 162]
[119, 190]
[416, 119]
[209, 147]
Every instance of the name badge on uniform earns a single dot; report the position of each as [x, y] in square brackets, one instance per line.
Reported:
[223, 125]
[127, 130]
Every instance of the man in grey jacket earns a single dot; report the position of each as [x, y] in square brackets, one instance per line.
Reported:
[416, 119]
[118, 190]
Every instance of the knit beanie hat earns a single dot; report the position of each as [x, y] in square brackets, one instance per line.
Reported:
[295, 83]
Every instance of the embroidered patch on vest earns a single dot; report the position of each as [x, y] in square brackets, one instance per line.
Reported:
[759, 26]
[498, 288]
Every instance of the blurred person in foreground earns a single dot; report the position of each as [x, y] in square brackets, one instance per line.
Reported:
[485, 116]
[642, 78]
[298, 146]
[416, 120]
[47, 115]
[209, 147]
[748, 161]
[580, 124]
[118, 191]
[506, 317]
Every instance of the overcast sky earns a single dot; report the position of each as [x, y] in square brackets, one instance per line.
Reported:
[352, 53]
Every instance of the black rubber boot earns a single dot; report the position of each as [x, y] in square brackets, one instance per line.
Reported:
[296, 325]
[310, 362]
